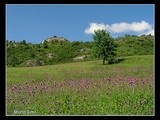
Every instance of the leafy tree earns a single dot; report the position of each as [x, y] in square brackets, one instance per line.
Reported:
[105, 46]
[23, 42]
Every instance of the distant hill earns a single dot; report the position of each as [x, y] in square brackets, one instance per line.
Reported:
[55, 50]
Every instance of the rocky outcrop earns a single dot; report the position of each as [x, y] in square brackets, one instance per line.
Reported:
[58, 39]
[80, 58]
[51, 55]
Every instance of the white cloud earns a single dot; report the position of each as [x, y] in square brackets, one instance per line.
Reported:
[95, 26]
[139, 27]
[118, 27]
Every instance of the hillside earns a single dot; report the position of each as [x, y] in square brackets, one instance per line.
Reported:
[134, 45]
[59, 50]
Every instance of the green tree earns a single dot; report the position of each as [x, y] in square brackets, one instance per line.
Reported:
[45, 44]
[105, 46]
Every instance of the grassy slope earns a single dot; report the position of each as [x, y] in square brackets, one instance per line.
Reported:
[92, 69]
[135, 46]
[126, 100]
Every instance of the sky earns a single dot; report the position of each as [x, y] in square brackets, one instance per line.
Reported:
[76, 22]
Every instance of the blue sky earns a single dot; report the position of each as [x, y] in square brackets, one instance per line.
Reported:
[76, 22]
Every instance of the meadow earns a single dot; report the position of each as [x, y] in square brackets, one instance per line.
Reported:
[82, 88]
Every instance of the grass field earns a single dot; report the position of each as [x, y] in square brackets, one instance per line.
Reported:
[83, 88]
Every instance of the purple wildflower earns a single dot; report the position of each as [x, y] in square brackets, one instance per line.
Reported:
[60, 85]
[41, 84]
[113, 82]
[29, 88]
[95, 84]
[42, 81]
[42, 88]
[46, 87]
[33, 92]
[132, 81]
[35, 87]
[78, 91]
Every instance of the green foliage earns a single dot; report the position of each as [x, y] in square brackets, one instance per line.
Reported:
[104, 46]
[45, 44]
[135, 45]
[23, 42]
[55, 52]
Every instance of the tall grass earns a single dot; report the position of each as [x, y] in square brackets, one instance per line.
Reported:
[83, 88]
